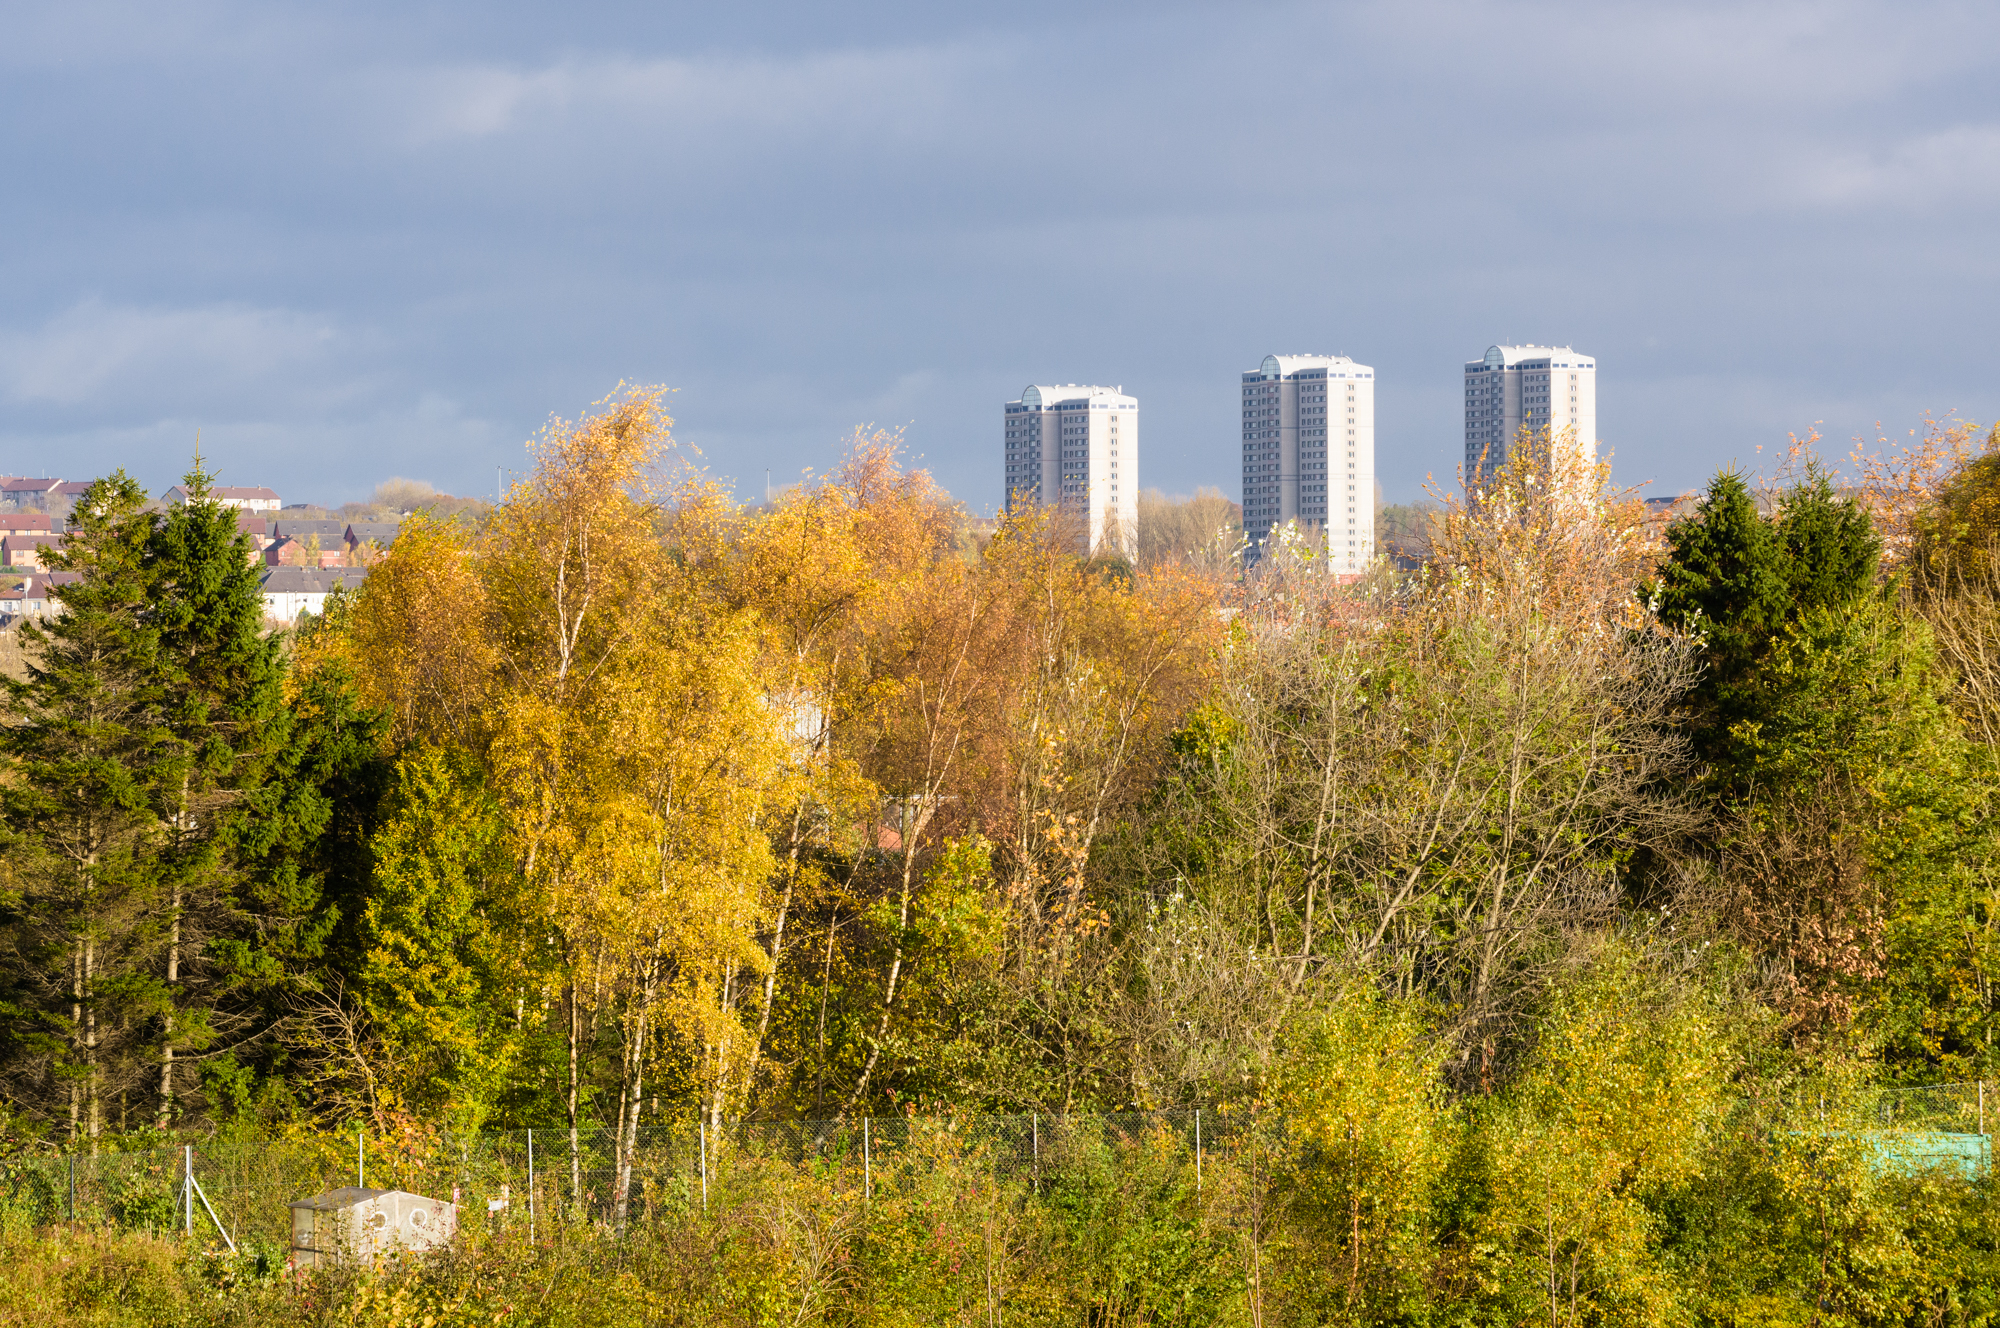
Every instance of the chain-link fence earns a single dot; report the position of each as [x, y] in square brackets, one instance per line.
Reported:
[552, 1181]
[244, 1184]
[1010, 1147]
[1943, 1108]
[1937, 1126]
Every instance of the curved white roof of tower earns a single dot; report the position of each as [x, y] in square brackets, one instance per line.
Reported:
[1049, 394]
[1285, 364]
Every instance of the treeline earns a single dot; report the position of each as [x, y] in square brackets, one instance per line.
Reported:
[620, 803]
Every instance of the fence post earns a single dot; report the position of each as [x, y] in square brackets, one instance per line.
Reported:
[1982, 1106]
[360, 1159]
[1197, 1151]
[72, 1188]
[867, 1164]
[1035, 1134]
[187, 1184]
[531, 1187]
[702, 1131]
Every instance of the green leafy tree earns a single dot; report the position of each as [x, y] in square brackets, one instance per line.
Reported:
[1809, 1212]
[1607, 1118]
[1851, 795]
[1861, 857]
[1363, 1093]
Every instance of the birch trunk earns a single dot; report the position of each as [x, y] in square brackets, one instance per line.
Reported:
[575, 1031]
[633, 1095]
[173, 978]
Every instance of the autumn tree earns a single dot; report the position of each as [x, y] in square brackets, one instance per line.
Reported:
[1627, 1077]
[1204, 530]
[1920, 492]
[632, 751]
[820, 571]
[1434, 785]
[1371, 1132]
[417, 643]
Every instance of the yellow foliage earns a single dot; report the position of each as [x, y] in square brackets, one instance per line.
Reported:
[416, 638]
[1365, 1103]
[1614, 1110]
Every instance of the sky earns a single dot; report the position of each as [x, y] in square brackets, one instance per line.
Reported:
[369, 240]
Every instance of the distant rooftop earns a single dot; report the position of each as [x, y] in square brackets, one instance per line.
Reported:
[1284, 366]
[227, 493]
[299, 528]
[311, 580]
[1507, 356]
[1037, 396]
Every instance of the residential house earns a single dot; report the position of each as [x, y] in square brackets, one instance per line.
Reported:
[287, 551]
[291, 591]
[330, 530]
[20, 493]
[27, 551]
[25, 493]
[305, 542]
[259, 530]
[31, 599]
[372, 536]
[26, 523]
[243, 499]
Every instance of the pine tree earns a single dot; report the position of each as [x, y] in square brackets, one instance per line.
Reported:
[302, 845]
[428, 979]
[1723, 579]
[224, 676]
[1830, 548]
[1739, 579]
[85, 742]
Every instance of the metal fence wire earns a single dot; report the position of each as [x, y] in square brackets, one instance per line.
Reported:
[555, 1184]
[1943, 1108]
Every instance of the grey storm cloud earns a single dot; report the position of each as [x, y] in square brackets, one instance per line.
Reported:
[352, 241]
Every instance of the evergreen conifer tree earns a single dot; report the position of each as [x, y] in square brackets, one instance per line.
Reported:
[224, 676]
[1739, 579]
[428, 979]
[1834, 758]
[85, 741]
[1830, 548]
[302, 847]
[1724, 579]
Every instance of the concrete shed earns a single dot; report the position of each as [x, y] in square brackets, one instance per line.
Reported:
[356, 1223]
